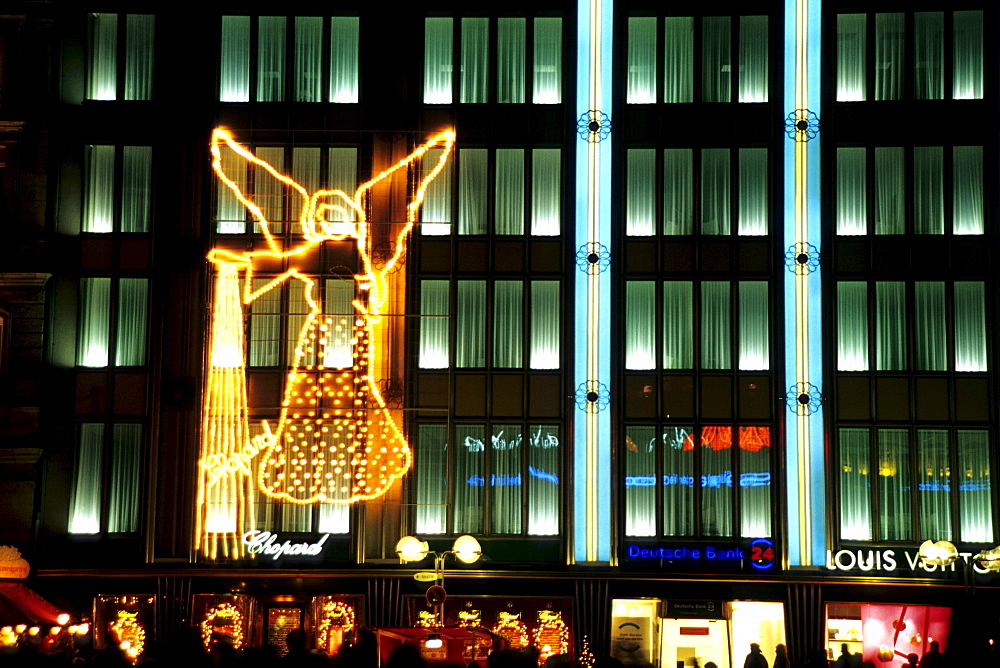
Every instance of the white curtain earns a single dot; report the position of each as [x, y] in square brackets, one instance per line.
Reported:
[137, 169]
[967, 205]
[852, 326]
[889, 71]
[470, 324]
[265, 326]
[547, 85]
[968, 81]
[928, 189]
[970, 326]
[753, 192]
[716, 60]
[430, 471]
[230, 214]
[130, 341]
[234, 70]
[506, 444]
[852, 191]
[335, 517]
[102, 83]
[545, 191]
[140, 30]
[640, 481]
[640, 325]
[678, 191]
[508, 324]
[472, 190]
[435, 214]
[470, 478]
[929, 326]
[271, 59]
[509, 205]
[474, 86]
[298, 309]
[755, 481]
[850, 57]
[715, 182]
[641, 83]
[123, 492]
[895, 511]
[85, 497]
[678, 317]
[339, 310]
[433, 324]
[305, 171]
[511, 57]
[716, 481]
[269, 192]
[342, 174]
[99, 193]
[934, 484]
[678, 52]
[640, 189]
[678, 480]
[855, 484]
[890, 326]
[544, 457]
[975, 507]
[715, 335]
[545, 312]
[890, 208]
[928, 55]
[344, 59]
[753, 59]
[95, 315]
[754, 328]
[437, 60]
[308, 59]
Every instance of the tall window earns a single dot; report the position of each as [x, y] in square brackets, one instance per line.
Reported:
[117, 188]
[112, 322]
[688, 481]
[709, 191]
[527, 64]
[506, 479]
[906, 484]
[105, 489]
[263, 70]
[722, 39]
[116, 73]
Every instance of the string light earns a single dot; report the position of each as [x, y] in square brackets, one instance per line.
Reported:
[336, 614]
[469, 618]
[586, 655]
[510, 627]
[225, 616]
[129, 634]
[551, 636]
[335, 440]
[427, 619]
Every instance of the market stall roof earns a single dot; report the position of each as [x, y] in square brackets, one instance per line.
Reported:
[19, 604]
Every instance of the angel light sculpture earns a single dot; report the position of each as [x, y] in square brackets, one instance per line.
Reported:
[335, 440]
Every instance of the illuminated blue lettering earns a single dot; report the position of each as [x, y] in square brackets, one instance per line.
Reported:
[544, 475]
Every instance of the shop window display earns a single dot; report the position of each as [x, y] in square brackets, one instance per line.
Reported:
[885, 634]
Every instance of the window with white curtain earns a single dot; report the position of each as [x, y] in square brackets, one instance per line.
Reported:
[109, 505]
[851, 80]
[116, 191]
[108, 32]
[103, 340]
[434, 311]
[889, 68]
[641, 80]
[928, 55]
[525, 51]
[686, 481]
[852, 200]
[512, 469]
[308, 75]
[908, 475]
[968, 56]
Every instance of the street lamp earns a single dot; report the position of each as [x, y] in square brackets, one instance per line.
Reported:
[465, 548]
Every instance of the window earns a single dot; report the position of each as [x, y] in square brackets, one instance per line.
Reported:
[889, 71]
[105, 490]
[700, 323]
[115, 74]
[882, 312]
[720, 37]
[503, 323]
[944, 191]
[516, 64]
[505, 479]
[99, 335]
[318, 74]
[931, 483]
[698, 482]
[709, 191]
[502, 191]
[117, 188]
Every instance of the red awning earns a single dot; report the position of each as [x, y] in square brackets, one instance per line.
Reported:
[20, 605]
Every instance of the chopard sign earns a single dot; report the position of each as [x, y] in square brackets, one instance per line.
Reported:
[265, 542]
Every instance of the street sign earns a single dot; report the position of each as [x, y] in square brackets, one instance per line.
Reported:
[424, 576]
[436, 595]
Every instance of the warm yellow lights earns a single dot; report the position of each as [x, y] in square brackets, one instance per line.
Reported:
[335, 439]
[411, 548]
[467, 549]
[337, 617]
[129, 634]
[510, 627]
[551, 635]
[62, 619]
[223, 622]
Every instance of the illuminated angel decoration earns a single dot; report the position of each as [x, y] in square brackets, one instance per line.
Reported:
[335, 440]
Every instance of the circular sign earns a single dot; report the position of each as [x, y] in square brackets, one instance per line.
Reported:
[762, 554]
[436, 595]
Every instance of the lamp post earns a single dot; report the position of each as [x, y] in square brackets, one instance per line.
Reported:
[465, 548]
